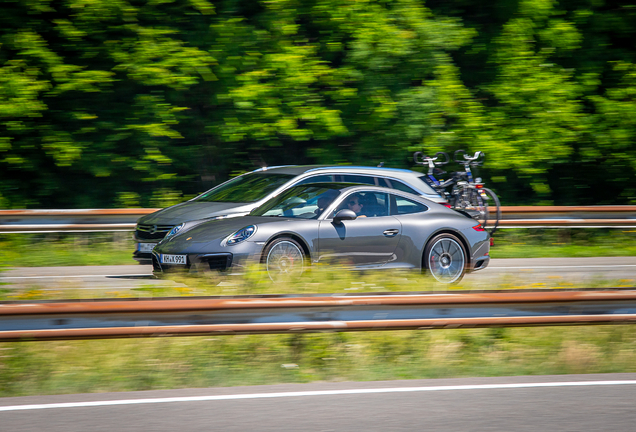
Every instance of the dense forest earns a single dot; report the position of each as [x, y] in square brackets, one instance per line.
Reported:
[112, 103]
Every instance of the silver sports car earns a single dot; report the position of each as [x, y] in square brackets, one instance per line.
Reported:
[242, 194]
[365, 226]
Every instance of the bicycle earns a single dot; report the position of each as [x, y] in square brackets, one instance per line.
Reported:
[430, 179]
[472, 194]
[468, 195]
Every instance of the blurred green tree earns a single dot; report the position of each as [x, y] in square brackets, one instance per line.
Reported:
[123, 102]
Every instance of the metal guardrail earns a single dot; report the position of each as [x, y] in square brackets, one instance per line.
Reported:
[100, 319]
[84, 220]
[30, 221]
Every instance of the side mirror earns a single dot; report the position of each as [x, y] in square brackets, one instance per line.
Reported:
[344, 214]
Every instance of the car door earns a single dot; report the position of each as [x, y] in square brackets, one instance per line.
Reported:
[369, 240]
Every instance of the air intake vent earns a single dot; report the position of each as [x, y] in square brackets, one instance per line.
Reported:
[218, 262]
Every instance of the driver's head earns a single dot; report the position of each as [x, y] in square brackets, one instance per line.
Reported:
[354, 204]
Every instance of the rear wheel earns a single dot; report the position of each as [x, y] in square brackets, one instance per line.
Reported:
[283, 258]
[445, 258]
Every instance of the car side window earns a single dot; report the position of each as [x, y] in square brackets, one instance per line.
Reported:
[351, 178]
[398, 185]
[325, 178]
[366, 204]
[402, 206]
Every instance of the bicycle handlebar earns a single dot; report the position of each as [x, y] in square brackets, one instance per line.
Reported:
[420, 159]
[475, 160]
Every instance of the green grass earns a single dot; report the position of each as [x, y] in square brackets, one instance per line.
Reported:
[563, 243]
[33, 368]
[77, 249]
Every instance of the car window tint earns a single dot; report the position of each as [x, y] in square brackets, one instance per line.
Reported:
[395, 184]
[383, 182]
[302, 202]
[324, 178]
[366, 204]
[426, 188]
[360, 179]
[406, 206]
[246, 188]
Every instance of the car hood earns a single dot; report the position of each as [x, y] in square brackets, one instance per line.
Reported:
[192, 210]
[214, 232]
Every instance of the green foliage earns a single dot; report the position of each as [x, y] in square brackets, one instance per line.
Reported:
[109, 103]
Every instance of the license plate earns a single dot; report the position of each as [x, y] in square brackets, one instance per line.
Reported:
[145, 247]
[173, 259]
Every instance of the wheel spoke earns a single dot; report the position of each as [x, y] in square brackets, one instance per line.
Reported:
[284, 259]
[446, 260]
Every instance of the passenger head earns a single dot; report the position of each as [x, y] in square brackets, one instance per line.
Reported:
[324, 200]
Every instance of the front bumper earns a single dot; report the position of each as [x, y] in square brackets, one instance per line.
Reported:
[148, 235]
[195, 263]
[236, 260]
[142, 257]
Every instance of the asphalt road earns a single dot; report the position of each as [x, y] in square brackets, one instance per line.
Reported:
[603, 402]
[535, 272]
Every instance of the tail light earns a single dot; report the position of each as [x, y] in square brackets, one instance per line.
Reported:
[479, 228]
[445, 204]
[479, 186]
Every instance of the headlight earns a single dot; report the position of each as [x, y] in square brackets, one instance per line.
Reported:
[241, 235]
[175, 230]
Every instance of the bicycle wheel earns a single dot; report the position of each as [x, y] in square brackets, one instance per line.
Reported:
[494, 211]
[479, 206]
[470, 202]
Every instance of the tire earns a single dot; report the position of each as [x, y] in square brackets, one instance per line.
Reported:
[494, 211]
[445, 258]
[284, 258]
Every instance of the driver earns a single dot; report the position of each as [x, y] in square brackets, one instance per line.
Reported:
[354, 204]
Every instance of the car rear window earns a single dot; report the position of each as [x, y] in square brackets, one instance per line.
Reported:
[246, 188]
[425, 187]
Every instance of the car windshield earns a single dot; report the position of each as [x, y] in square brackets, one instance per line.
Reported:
[302, 202]
[246, 188]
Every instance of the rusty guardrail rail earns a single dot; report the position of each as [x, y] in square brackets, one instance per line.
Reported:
[90, 220]
[100, 319]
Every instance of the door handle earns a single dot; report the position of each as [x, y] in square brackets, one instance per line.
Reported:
[391, 232]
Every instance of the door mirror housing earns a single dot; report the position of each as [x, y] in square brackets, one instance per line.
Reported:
[343, 215]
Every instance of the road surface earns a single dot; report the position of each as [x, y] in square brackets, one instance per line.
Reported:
[603, 402]
[528, 273]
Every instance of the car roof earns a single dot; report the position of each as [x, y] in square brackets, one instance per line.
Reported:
[302, 169]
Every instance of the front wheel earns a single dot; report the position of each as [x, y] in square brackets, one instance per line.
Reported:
[445, 258]
[283, 258]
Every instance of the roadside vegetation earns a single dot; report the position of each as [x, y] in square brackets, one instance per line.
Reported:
[64, 367]
[45, 250]
[131, 104]
[38, 368]
[319, 279]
